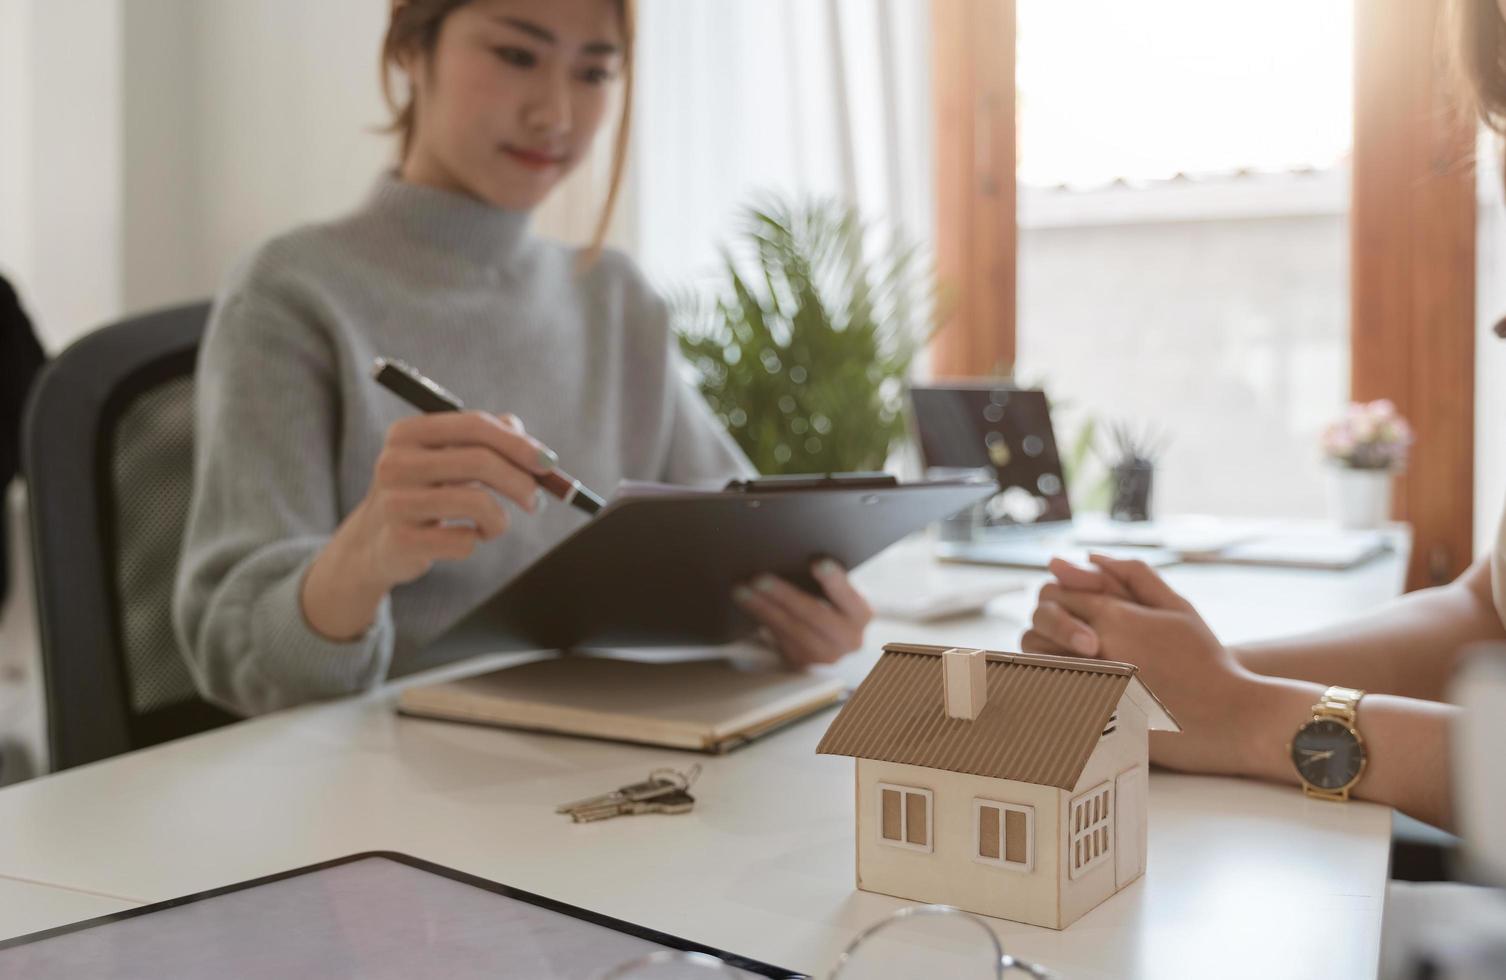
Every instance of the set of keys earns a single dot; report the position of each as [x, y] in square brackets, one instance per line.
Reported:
[664, 791]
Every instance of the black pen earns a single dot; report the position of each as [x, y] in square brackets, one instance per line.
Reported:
[426, 396]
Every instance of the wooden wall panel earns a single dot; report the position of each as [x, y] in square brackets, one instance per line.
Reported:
[1412, 237]
[973, 61]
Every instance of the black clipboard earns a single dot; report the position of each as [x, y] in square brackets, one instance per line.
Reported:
[657, 571]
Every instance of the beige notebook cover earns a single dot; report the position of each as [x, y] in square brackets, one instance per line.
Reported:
[703, 705]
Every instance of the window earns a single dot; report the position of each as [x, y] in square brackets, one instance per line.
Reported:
[1112, 726]
[905, 817]
[1194, 277]
[1091, 830]
[1004, 834]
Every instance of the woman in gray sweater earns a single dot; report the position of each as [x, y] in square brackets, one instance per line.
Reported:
[334, 532]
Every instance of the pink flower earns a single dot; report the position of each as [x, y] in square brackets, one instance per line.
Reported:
[1370, 435]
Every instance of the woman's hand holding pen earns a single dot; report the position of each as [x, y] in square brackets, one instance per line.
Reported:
[804, 628]
[436, 492]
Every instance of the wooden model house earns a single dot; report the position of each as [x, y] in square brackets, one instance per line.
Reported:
[1007, 784]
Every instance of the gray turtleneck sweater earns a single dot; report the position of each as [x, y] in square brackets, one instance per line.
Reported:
[289, 422]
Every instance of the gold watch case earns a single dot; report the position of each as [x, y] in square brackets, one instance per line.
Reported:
[1322, 792]
[1332, 728]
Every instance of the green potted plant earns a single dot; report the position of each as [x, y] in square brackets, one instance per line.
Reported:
[803, 346]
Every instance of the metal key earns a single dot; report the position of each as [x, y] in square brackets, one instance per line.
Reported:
[655, 786]
[660, 782]
[678, 801]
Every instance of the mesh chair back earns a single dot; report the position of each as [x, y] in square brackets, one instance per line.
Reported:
[108, 445]
[151, 484]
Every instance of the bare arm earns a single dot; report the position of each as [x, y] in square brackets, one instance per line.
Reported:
[1407, 648]
[1237, 722]
[1406, 745]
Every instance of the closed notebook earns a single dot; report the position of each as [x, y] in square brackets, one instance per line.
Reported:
[703, 705]
[1328, 550]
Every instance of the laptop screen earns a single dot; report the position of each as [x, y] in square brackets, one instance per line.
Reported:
[1001, 428]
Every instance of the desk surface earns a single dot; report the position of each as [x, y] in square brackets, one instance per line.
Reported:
[1243, 879]
[27, 906]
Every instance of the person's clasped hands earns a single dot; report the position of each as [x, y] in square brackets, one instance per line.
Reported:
[1122, 610]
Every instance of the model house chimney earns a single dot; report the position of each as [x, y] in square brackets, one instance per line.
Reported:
[965, 683]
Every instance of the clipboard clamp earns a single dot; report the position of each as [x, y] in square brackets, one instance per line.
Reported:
[818, 481]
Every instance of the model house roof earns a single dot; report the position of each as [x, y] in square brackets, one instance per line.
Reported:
[1040, 720]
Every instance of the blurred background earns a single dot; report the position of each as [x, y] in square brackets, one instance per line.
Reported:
[1177, 249]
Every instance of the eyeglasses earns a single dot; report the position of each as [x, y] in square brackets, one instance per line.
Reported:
[916, 941]
[673, 964]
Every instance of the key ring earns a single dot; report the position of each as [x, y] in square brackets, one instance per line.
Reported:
[683, 780]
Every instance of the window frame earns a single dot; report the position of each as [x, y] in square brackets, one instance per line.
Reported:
[929, 846]
[1399, 192]
[1103, 824]
[1025, 867]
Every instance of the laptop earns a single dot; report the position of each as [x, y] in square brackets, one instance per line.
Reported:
[998, 427]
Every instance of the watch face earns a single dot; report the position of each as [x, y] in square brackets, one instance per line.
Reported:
[1327, 754]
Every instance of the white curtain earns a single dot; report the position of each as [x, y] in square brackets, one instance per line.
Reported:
[742, 97]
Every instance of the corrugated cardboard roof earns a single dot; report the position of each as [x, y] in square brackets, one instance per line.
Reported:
[1040, 724]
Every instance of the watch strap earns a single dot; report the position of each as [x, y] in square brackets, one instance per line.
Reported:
[1341, 703]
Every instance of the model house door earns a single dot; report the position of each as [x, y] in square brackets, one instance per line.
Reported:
[1129, 826]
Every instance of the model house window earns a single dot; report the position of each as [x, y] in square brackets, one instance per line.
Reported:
[1004, 834]
[1112, 726]
[905, 816]
[1091, 829]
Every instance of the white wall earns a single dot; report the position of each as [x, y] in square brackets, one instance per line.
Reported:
[161, 244]
[72, 180]
[15, 120]
[287, 103]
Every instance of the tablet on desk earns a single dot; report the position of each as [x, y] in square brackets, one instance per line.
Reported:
[373, 915]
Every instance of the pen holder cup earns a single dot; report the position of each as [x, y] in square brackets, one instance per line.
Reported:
[1132, 487]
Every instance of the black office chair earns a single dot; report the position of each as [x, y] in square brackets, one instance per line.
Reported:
[21, 360]
[108, 459]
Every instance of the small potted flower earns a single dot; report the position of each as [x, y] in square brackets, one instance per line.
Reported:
[1367, 447]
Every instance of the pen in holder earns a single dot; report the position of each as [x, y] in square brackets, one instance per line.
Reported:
[1132, 467]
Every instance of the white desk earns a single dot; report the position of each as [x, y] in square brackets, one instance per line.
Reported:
[27, 906]
[1239, 873]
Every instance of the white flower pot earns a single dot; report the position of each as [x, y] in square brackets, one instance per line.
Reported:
[1359, 498]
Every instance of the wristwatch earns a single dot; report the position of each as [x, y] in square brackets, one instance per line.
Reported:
[1328, 752]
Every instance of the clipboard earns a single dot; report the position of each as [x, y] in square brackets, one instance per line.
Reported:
[657, 571]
